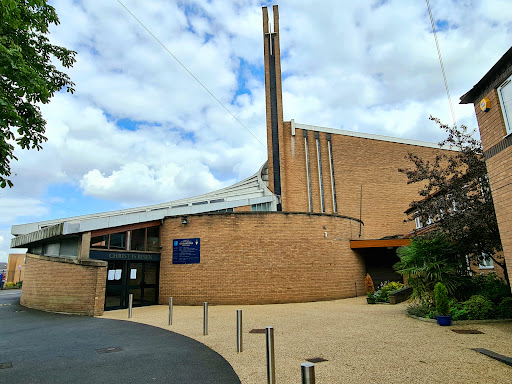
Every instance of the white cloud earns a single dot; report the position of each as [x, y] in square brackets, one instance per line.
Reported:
[367, 66]
[13, 208]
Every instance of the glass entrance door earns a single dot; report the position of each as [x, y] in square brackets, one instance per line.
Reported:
[135, 277]
[115, 291]
[143, 282]
[150, 287]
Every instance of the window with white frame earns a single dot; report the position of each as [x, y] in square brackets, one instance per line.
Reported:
[505, 96]
[485, 262]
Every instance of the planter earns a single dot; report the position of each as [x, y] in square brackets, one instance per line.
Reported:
[370, 300]
[444, 320]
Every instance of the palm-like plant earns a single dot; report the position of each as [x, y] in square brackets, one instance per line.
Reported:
[429, 260]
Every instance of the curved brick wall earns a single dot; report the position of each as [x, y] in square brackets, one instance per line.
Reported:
[56, 284]
[262, 257]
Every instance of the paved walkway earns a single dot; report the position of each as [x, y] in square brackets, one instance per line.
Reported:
[52, 348]
[362, 343]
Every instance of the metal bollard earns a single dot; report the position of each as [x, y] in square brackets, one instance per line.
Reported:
[130, 305]
[239, 346]
[170, 310]
[308, 373]
[271, 366]
[205, 318]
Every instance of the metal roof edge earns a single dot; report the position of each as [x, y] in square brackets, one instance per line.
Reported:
[371, 136]
[154, 212]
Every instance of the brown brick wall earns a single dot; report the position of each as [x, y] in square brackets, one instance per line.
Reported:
[499, 168]
[14, 272]
[64, 285]
[257, 258]
[357, 161]
[491, 123]
[243, 208]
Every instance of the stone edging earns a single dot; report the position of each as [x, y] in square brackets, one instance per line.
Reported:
[463, 322]
[67, 260]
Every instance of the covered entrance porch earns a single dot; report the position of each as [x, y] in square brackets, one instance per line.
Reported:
[380, 256]
[130, 273]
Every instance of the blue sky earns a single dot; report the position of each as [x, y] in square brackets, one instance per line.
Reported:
[140, 130]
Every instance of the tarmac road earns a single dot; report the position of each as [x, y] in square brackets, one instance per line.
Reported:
[40, 347]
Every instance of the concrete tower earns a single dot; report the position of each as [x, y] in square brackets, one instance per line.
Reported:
[274, 104]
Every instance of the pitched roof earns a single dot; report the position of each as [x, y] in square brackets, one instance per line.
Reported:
[492, 79]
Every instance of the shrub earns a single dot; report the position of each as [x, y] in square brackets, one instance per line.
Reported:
[385, 289]
[390, 287]
[504, 309]
[9, 284]
[428, 260]
[421, 310]
[494, 288]
[441, 298]
[458, 311]
[479, 307]
[368, 282]
[19, 284]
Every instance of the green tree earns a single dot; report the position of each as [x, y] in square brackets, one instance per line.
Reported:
[428, 260]
[457, 196]
[441, 298]
[28, 76]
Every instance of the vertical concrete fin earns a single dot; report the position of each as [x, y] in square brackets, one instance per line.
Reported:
[274, 104]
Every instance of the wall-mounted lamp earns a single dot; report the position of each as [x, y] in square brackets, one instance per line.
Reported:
[184, 220]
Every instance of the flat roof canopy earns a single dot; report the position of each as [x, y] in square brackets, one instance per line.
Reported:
[384, 243]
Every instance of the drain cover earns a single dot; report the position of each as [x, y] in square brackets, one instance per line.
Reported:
[109, 350]
[316, 360]
[5, 365]
[468, 331]
[258, 330]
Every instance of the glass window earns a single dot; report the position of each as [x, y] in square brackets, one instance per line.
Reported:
[153, 242]
[485, 262]
[138, 240]
[52, 249]
[36, 250]
[261, 207]
[505, 95]
[118, 240]
[99, 241]
[69, 247]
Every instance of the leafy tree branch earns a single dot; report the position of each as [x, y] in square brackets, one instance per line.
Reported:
[28, 76]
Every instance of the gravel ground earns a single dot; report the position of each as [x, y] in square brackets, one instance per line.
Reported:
[362, 343]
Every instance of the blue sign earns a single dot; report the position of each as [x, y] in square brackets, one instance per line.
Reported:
[186, 251]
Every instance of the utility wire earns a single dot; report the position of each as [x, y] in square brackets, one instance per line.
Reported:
[190, 73]
[441, 62]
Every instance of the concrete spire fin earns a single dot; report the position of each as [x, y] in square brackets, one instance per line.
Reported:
[274, 102]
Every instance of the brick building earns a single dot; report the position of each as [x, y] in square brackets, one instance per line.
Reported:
[15, 268]
[492, 99]
[326, 208]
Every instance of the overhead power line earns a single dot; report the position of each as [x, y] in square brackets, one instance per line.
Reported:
[189, 72]
[441, 62]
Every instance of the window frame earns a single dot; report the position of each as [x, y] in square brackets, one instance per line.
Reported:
[128, 240]
[485, 259]
[506, 111]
